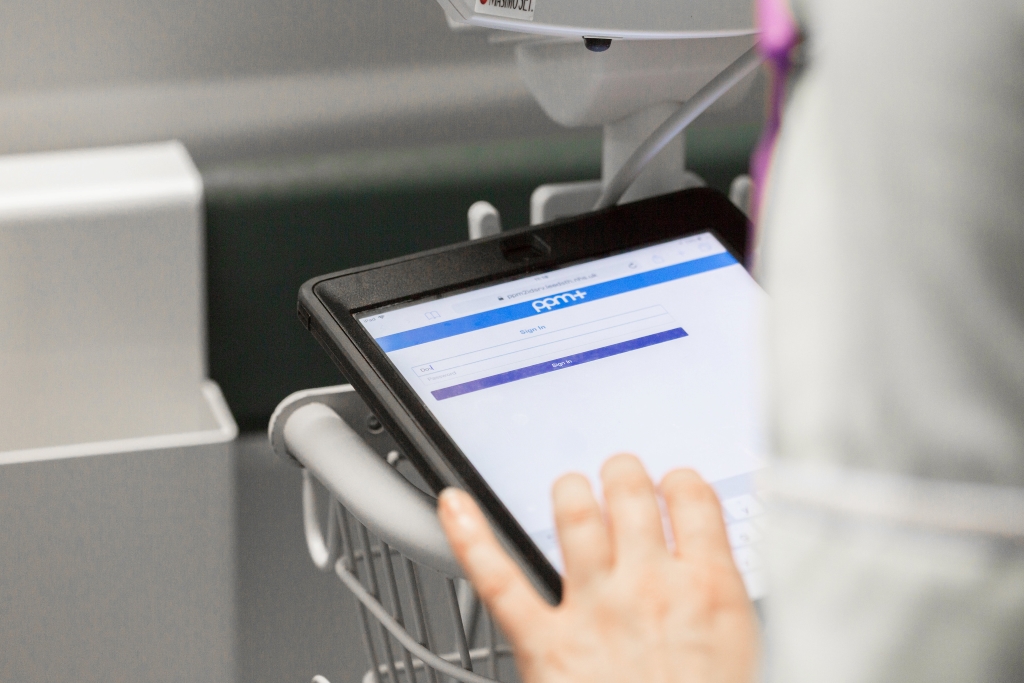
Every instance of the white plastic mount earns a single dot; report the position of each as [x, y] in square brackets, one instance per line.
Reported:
[616, 19]
[333, 434]
[484, 220]
[102, 298]
[631, 90]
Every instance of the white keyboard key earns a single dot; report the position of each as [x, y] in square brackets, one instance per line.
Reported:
[743, 507]
[742, 534]
[756, 584]
[747, 559]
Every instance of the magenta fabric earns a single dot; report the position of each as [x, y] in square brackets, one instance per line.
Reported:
[779, 34]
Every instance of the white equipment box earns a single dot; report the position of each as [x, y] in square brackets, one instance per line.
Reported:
[116, 467]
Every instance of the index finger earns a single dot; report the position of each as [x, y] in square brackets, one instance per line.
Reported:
[695, 515]
[633, 513]
[582, 533]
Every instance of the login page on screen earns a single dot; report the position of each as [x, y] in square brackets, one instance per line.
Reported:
[651, 352]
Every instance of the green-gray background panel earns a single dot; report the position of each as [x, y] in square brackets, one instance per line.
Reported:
[273, 225]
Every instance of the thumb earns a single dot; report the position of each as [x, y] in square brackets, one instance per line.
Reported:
[498, 580]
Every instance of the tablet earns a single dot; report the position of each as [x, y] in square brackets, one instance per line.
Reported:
[501, 364]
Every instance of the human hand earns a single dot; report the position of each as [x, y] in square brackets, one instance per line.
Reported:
[631, 610]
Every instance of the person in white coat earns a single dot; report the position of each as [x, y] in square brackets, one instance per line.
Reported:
[893, 251]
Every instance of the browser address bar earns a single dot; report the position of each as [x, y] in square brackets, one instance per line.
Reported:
[542, 341]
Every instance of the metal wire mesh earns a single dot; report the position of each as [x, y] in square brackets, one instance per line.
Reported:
[400, 606]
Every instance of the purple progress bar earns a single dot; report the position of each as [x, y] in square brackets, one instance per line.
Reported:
[557, 364]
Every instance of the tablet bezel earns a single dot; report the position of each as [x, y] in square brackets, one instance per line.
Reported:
[328, 306]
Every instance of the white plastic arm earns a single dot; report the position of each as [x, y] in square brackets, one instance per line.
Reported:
[674, 125]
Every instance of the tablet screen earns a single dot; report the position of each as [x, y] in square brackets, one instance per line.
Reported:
[651, 351]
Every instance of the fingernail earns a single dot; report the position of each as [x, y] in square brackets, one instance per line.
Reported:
[454, 503]
[449, 498]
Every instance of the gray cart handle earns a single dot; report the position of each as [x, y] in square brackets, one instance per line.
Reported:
[317, 429]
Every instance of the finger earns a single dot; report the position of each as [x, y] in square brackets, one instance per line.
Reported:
[695, 515]
[499, 582]
[582, 533]
[633, 514]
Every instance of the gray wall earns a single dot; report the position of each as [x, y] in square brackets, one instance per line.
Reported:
[237, 80]
[56, 44]
[119, 567]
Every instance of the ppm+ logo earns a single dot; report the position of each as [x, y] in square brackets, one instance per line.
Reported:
[541, 305]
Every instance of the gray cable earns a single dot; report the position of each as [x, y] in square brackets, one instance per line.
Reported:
[674, 125]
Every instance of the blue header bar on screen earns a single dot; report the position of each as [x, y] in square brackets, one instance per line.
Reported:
[497, 316]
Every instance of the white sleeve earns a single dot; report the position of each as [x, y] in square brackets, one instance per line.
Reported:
[894, 256]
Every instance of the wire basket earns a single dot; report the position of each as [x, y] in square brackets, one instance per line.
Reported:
[407, 636]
